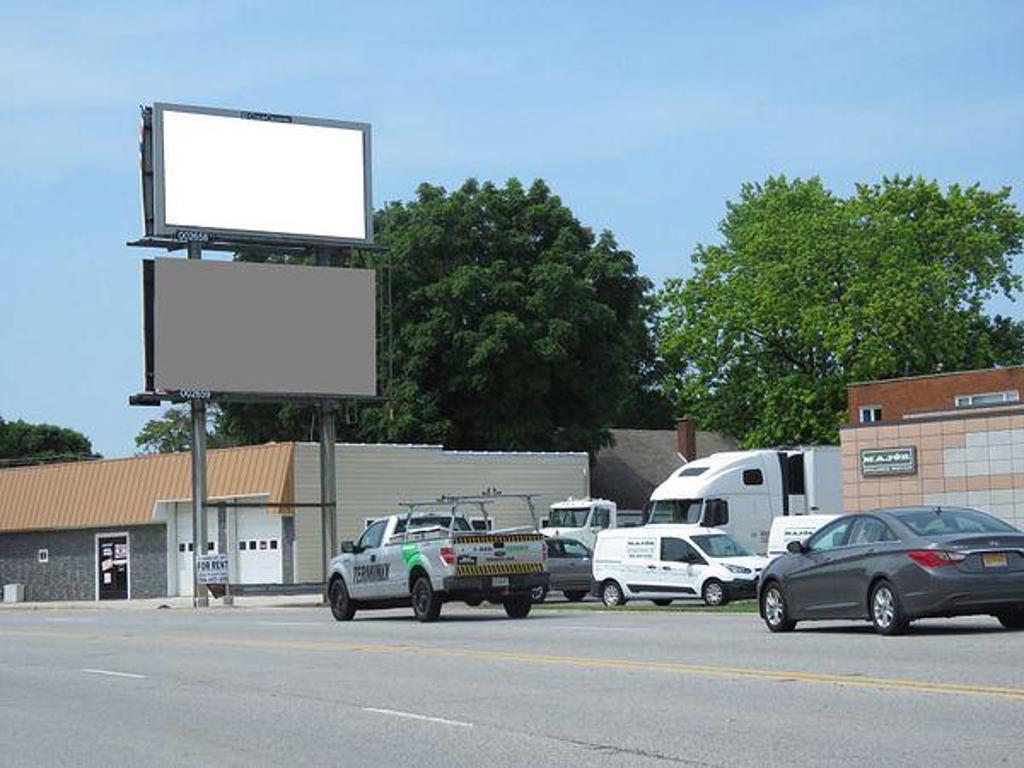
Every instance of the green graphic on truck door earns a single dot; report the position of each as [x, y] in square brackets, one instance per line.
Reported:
[412, 556]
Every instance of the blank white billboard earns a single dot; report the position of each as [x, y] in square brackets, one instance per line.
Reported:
[254, 174]
[267, 329]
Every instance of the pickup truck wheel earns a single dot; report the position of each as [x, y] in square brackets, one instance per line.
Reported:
[425, 604]
[537, 594]
[575, 595]
[518, 606]
[611, 594]
[714, 593]
[342, 606]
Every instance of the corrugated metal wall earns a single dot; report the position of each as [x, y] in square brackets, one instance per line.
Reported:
[373, 478]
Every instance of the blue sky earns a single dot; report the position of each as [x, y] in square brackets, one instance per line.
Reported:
[644, 117]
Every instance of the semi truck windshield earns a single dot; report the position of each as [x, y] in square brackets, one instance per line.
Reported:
[675, 511]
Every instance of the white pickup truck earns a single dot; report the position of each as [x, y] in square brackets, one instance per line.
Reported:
[427, 558]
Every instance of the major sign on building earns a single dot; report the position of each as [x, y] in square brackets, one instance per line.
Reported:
[888, 461]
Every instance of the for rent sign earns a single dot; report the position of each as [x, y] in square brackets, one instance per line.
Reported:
[888, 461]
[212, 569]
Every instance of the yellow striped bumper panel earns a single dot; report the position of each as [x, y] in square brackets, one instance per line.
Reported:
[499, 569]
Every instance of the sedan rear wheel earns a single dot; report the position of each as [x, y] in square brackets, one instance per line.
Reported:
[886, 613]
[537, 594]
[774, 610]
[1012, 619]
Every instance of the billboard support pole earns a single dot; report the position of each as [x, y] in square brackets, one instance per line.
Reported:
[328, 485]
[199, 527]
[328, 477]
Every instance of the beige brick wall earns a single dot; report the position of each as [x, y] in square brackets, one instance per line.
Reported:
[976, 461]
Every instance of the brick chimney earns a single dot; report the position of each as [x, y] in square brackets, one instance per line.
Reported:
[686, 437]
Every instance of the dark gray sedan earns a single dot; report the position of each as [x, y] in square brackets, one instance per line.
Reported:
[569, 568]
[892, 566]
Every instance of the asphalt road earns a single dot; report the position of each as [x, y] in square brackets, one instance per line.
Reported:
[289, 686]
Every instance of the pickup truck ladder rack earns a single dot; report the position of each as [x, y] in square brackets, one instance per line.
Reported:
[454, 501]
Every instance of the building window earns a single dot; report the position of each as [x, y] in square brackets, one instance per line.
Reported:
[869, 414]
[987, 398]
[44, 556]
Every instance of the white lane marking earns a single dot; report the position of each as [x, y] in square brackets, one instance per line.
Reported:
[112, 673]
[67, 620]
[292, 623]
[412, 716]
[582, 628]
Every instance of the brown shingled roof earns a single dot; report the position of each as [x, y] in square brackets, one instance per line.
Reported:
[106, 492]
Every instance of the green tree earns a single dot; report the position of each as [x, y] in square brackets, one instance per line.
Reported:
[810, 291]
[21, 441]
[172, 432]
[513, 327]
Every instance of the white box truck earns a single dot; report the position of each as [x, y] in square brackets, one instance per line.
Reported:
[741, 492]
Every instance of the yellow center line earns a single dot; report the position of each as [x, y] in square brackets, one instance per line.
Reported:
[851, 681]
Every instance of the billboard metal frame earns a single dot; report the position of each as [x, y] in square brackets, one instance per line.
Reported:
[161, 234]
[158, 234]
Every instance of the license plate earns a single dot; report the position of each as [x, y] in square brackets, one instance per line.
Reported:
[994, 559]
[499, 581]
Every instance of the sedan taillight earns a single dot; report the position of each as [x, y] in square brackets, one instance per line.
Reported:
[935, 558]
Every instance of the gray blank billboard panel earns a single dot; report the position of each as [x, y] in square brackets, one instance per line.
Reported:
[234, 327]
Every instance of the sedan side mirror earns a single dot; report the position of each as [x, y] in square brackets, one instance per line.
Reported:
[796, 547]
[348, 547]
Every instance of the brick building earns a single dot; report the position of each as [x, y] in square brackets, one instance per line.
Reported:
[948, 439]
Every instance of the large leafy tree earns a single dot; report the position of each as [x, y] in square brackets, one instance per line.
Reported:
[172, 432]
[21, 441]
[510, 326]
[810, 291]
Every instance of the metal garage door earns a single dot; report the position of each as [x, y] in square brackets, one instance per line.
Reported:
[259, 547]
[185, 546]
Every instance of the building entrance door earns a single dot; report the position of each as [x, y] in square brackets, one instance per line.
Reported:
[112, 567]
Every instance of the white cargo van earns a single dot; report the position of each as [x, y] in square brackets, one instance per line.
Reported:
[741, 492]
[583, 519]
[663, 563]
[794, 528]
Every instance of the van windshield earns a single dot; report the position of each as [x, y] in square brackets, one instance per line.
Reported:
[720, 545]
[568, 517]
[675, 511]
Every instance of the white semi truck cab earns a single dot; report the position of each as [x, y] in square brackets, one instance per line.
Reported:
[583, 519]
[741, 492]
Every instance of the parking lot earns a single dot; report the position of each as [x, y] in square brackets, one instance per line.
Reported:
[254, 686]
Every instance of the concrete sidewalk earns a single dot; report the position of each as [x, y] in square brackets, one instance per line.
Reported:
[178, 603]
